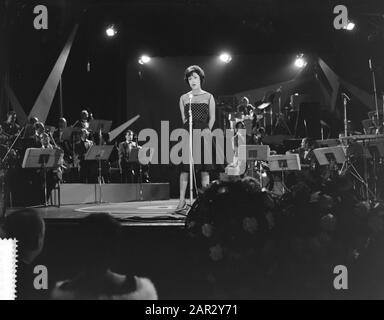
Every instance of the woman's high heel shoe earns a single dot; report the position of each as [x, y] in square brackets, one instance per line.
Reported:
[182, 206]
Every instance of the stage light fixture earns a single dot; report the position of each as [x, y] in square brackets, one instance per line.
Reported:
[350, 26]
[225, 57]
[300, 61]
[144, 59]
[111, 31]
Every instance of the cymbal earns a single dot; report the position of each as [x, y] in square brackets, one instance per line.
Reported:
[264, 105]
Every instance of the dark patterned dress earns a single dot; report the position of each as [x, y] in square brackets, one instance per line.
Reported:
[200, 120]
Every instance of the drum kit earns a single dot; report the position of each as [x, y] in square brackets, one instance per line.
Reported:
[262, 116]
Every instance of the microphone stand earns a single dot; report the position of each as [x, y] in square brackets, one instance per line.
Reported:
[190, 152]
[345, 115]
[100, 177]
[383, 113]
[375, 90]
[140, 177]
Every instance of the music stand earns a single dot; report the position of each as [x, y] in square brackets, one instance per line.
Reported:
[97, 125]
[99, 153]
[255, 153]
[283, 163]
[331, 154]
[37, 158]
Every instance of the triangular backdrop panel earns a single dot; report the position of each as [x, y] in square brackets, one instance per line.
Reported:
[44, 101]
[115, 132]
[333, 80]
[20, 113]
[327, 91]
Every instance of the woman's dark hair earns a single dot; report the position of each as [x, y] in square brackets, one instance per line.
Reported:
[240, 125]
[191, 69]
[26, 226]
[102, 235]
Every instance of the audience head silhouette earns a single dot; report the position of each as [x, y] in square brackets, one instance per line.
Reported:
[29, 229]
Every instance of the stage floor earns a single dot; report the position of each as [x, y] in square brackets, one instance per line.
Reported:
[135, 213]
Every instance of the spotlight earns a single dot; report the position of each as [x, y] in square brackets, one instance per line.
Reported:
[225, 57]
[111, 31]
[350, 26]
[300, 61]
[144, 59]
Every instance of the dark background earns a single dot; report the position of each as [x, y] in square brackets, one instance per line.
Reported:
[269, 32]
[263, 36]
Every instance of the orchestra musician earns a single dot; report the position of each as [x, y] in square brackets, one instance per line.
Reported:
[10, 126]
[374, 124]
[3, 136]
[83, 123]
[305, 151]
[32, 136]
[258, 133]
[7, 157]
[45, 141]
[58, 133]
[308, 162]
[39, 130]
[81, 148]
[30, 127]
[245, 107]
[237, 140]
[54, 174]
[60, 142]
[129, 170]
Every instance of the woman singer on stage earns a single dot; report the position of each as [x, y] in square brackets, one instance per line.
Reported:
[203, 117]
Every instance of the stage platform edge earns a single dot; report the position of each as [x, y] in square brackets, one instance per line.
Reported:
[81, 193]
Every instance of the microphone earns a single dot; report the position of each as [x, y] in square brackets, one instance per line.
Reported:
[345, 96]
[370, 64]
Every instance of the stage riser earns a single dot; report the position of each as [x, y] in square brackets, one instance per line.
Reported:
[77, 193]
